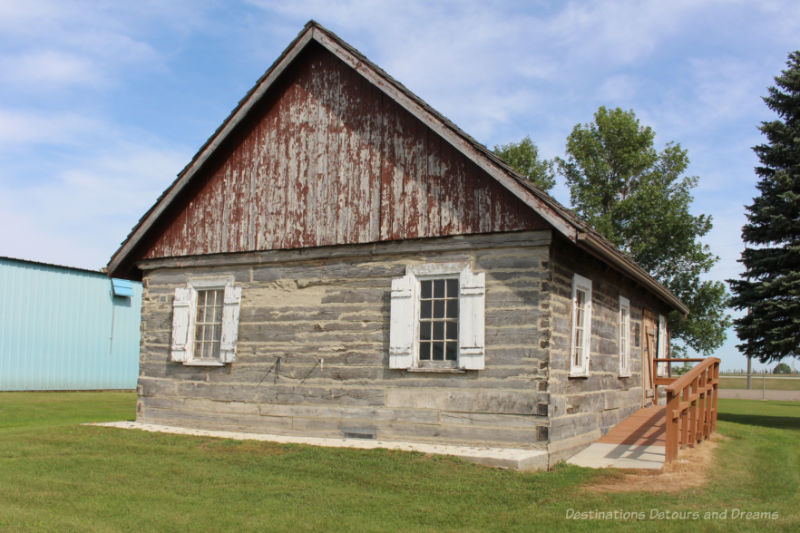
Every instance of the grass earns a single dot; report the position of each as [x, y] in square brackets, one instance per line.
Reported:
[56, 475]
[772, 383]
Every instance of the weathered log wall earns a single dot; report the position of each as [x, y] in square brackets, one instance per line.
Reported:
[583, 409]
[313, 348]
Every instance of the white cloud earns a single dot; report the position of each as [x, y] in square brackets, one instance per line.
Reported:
[49, 68]
[618, 90]
[79, 216]
[18, 127]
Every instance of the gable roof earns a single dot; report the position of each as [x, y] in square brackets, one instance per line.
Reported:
[560, 218]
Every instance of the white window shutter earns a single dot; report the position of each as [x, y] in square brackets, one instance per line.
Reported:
[402, 321]
[230, 323]
[181, 319]
[471, 323]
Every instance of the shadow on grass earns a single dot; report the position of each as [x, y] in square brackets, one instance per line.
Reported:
[783, 422]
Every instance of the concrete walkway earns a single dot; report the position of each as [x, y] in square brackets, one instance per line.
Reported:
[636, 442]
[604, 455]
[512, 458]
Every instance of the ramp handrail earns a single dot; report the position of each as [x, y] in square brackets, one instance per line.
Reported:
[691, 412]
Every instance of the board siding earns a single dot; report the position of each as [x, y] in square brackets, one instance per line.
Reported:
[330, 160]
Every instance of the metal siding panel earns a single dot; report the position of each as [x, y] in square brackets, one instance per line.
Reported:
[55, 330]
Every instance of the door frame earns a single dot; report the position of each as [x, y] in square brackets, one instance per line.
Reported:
[649, 351]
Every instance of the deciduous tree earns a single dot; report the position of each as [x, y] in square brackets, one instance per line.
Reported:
[639, 198]
[524, 157]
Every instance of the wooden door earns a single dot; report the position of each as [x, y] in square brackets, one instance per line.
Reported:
[649, 350]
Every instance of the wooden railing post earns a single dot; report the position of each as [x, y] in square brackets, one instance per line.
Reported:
[714, 397]
[671, 445]
[701, 408]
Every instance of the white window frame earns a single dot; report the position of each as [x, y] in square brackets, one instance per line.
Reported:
[624, 337]
[405, 318]
[662, 351]
[581, 368]
[184, 325]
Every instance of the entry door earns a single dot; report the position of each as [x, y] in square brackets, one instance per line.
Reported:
[649, 350]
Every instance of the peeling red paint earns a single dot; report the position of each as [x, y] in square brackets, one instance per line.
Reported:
[331, 160]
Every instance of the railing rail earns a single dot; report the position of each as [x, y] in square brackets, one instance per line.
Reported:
[691, 411]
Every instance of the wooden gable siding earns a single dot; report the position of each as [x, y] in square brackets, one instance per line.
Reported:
[328, 159]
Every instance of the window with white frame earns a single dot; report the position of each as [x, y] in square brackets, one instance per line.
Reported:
[437, 318]
[663, 345]
[581, 331]
[624, 337]
[205, 322]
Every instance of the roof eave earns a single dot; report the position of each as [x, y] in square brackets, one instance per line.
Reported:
[604, 250]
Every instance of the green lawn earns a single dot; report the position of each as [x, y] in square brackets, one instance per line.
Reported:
[56, 475]
[772, 383]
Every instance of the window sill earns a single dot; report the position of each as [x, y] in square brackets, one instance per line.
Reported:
[423, 370]
[203, 363]
[578, 376]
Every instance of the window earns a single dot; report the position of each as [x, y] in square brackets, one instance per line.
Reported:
[663, 345]
[205, 322]
[208, 324]
[437, 318]
[624, 337]
[581, 333]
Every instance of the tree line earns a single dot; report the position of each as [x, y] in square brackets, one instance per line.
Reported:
[639, 198]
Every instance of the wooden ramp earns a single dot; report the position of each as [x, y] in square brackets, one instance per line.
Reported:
[645, 427]
[636, 442]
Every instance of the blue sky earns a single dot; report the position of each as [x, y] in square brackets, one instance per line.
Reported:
[103, 103]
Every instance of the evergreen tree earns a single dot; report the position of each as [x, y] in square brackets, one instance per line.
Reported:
[639, 199]
[524, 158]
[769, 289]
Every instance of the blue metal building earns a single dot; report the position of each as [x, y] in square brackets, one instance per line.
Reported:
[64, 328]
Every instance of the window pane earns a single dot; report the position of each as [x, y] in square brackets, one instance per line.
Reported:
[425, 311]
[452, 308]
[438, 288]
[452, 288]
[580, 298]
[452, 330]
[216, 330]
[451, 351]
[438, 331]
[578, 347]
[438, 308]
[425, 351]
[438, 351]
[201, 307]
[425, 331]
[426, 288]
